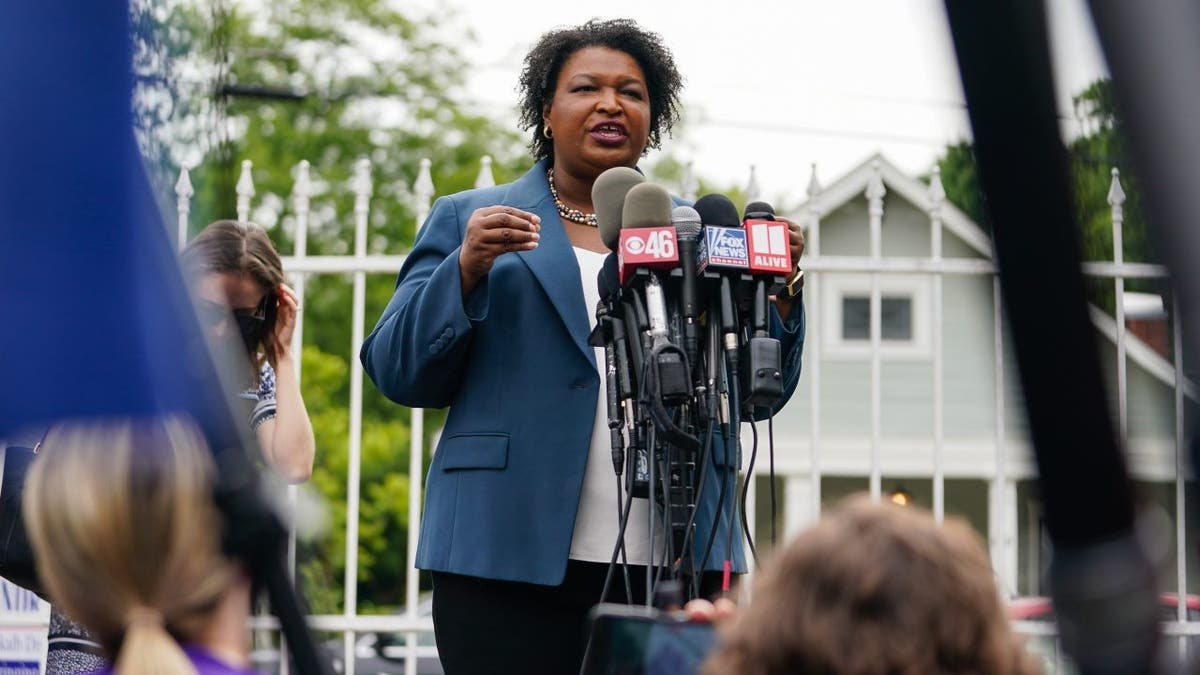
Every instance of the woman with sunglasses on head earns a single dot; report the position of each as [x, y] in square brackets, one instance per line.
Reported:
[237, 280]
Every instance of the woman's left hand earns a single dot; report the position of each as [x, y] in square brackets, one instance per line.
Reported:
[287, 307]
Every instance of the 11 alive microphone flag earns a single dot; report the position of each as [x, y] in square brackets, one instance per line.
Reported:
[767, 241]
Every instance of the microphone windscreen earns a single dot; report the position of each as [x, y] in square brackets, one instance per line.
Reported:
[686, 221]
[718, 211]
[608, 281]
[608, 198]
[646, 205]
[760, 210]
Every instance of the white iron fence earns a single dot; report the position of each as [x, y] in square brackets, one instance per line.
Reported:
[818, 267]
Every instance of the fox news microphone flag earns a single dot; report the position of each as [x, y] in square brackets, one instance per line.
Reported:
[94, 316]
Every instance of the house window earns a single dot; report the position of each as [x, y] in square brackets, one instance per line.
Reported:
[904, 307]
[896, 317]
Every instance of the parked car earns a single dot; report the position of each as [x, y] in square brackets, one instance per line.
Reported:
[1040, 609]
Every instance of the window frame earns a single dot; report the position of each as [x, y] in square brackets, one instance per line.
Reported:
[835, 288]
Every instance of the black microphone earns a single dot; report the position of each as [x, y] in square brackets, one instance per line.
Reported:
[762, 367]
[723, 255]
[612, 397]
[759, 210]
[717, 210]
[723, 249]
[688, 227]
[611, 334]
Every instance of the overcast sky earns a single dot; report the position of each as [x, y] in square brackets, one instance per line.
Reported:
[782, 84]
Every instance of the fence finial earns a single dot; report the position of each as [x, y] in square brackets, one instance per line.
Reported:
[485, 177]
[1116, 196]
[688, 183]
[423, 187]
[183, 204]
[752, 188]
[183, 186]
[362, 184]
[245, 190]
[302, 190]
[937, 192]
[423, 191]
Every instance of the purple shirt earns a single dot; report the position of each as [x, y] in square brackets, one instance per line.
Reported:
[205, 662]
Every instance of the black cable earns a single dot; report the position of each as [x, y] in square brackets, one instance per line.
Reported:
[617, 547]
[746, 493]
[651, 442]
[718, 381]
[624, 552]
[771, 453]
[735, 425]
[665, 483]
[706, 454]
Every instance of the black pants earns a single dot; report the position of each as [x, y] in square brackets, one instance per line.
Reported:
[489, 626]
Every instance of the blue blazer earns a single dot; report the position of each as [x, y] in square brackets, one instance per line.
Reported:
[513, 363]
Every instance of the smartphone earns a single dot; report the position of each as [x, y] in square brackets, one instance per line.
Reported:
[636, 640]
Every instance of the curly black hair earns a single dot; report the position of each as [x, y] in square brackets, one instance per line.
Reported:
[544, 61]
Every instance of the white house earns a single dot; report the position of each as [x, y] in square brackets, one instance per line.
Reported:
[932, 399]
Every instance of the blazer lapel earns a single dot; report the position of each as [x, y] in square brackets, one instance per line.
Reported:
[553, 262]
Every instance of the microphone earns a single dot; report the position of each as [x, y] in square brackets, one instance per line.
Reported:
[608, 198]
[767, 248]
[767, 240]
[616, 420]
[761, 210]
[723, 249]
[723, 254]
[723, 245]
[646, 240]
[647, 243]
[623, 358]
[688, 227]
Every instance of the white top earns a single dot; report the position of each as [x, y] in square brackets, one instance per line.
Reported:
[597, 521]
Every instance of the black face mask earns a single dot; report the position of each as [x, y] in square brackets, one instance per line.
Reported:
[251, 329]
[251, 323]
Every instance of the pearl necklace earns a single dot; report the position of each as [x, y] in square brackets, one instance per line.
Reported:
[573, 215]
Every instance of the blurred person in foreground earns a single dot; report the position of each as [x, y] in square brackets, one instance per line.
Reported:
[490, 317]
[127, 541]
[871, 588]
[236, 280]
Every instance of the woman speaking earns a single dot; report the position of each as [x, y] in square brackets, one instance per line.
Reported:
[490, 317]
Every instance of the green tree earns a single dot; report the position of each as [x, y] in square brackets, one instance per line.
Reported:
[960, 179]
[1092, 155]
[329, 82]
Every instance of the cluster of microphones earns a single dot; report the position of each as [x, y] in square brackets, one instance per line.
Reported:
[684, 321]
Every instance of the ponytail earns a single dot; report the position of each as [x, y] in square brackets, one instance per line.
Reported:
[148, 649]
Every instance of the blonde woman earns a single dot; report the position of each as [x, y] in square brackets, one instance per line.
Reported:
[121, 518]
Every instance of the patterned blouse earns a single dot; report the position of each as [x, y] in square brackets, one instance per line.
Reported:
[263, 397]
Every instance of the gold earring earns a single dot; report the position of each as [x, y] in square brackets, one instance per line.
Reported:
[546, 131]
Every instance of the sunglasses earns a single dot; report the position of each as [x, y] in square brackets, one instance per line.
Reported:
[251, 323]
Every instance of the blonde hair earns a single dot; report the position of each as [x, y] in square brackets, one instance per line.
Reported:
[127, 538]
[875, 588]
